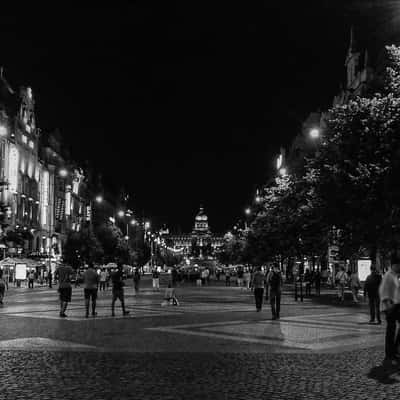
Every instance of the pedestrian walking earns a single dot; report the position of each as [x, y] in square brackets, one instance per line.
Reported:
[371, 289]
[90, 284]
[389, 292]
[103, 279]
[64, 273]
[203, 276]
[341, 280]
[170, 296]
[275, 283]
[2, 287]
[118, 289]
[156, 280]
[50, 279]
[136, 280]
[355, 285]
[174, 276]
[317, 282]
[307, 280]
[240, 274]
[218, 274]
[227, 277]
[258, 283]
[247, 278]
[31, 279]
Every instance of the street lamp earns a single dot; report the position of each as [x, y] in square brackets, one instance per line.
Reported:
[63, 172]
[121, 213]
[247, 211]
[315, 133]
[99, 199]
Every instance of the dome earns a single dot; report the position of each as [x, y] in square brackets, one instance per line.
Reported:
[201, 216]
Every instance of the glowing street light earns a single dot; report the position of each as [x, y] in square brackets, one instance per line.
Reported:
[63, 172]
[121, 213]
[133, 222]
[99, 199]
[147, 225]
[247, 211]
[315, 133]
[258, 199]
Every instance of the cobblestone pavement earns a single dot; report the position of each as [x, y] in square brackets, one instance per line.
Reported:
[213, 346]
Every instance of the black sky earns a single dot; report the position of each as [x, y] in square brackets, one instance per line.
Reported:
[182, 103]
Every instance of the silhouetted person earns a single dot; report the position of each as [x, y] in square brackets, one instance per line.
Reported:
[258, 283]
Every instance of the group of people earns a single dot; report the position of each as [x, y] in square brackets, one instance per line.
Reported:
[271, 283]
[91, 282]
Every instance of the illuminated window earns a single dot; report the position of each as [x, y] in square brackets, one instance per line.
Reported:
[30, 168]
[22, 165]
[24, 139]
[75, 186]
[37, 173]
[13, 168]
[31, 144]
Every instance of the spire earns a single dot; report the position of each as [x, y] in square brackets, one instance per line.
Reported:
[366, 59]
[352, 40]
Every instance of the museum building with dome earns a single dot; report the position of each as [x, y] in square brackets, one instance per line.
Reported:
[201, 243]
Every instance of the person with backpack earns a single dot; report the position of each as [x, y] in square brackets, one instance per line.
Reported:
[341, 280]
[275, 283]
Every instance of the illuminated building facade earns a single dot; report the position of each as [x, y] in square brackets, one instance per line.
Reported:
[201, 243]
[42, 203]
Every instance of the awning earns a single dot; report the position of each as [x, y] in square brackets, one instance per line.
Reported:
[14, 260]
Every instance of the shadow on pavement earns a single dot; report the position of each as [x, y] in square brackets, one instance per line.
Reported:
[386, 374]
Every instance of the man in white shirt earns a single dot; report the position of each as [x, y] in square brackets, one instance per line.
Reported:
[389, 292]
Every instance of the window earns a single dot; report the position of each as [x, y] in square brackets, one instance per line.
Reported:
[31, 144]
[24, 139]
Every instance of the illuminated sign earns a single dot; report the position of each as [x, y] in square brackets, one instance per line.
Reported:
[45, 196]
[364, 269]
[20, 271]
[13, 168]
[68, 201]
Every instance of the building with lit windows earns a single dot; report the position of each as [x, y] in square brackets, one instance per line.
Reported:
[44, 195]
[200, 244]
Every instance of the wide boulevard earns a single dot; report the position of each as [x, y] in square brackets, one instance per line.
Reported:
[213, 346]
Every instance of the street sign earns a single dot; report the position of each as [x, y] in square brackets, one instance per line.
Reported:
[333, 254]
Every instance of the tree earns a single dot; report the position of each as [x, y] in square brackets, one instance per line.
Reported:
[81, 247]
[113, 243]
[355, 171]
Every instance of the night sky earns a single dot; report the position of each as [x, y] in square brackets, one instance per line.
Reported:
[181, 103]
